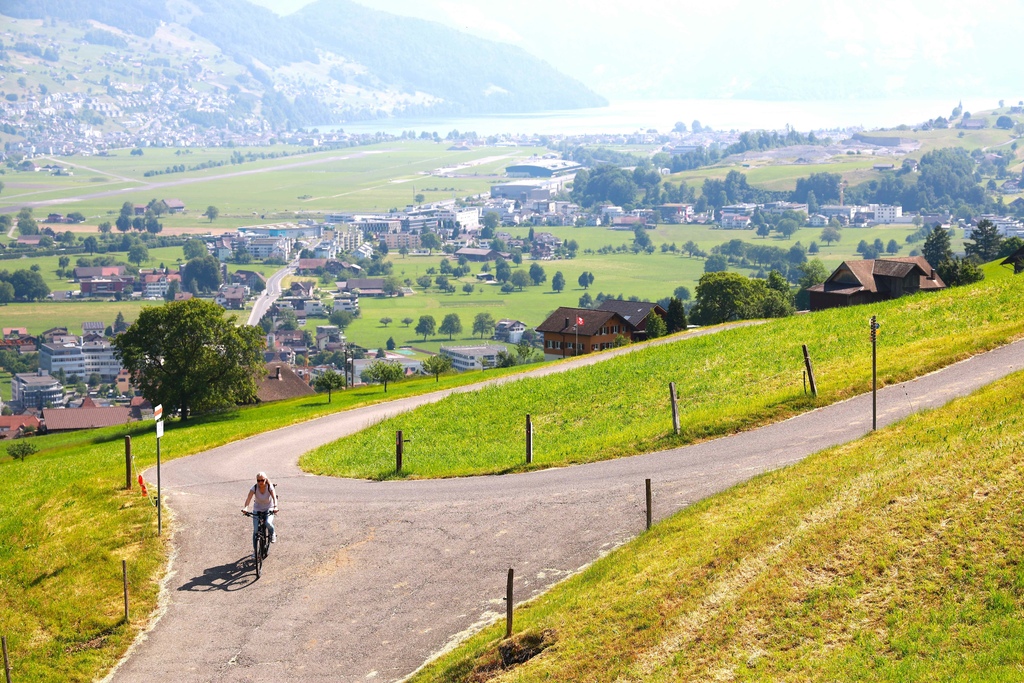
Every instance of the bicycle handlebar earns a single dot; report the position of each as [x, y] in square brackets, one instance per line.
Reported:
[247, 513]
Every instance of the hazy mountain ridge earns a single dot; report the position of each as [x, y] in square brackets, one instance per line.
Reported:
[335, 60]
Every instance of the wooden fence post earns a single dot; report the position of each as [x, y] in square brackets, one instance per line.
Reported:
[529, 440]
[648, 486]
[124, 579]
[508, 604]
[128, 462]
[810, 372]
[7, 662]
[399, 447]
[675, 406]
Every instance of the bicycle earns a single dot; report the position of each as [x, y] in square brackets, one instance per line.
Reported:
[260, 540]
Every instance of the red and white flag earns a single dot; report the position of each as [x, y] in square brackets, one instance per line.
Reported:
[579, 320]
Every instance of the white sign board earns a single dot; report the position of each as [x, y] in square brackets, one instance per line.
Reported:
[159, 429]
[158, 412]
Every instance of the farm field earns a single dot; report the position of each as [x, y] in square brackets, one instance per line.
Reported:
[892, 558]
[472, 434]
[43, 315]
[373, 177]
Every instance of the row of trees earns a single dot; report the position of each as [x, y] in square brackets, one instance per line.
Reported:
[483, 324]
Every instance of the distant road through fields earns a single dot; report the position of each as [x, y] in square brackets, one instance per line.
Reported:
[371, 578]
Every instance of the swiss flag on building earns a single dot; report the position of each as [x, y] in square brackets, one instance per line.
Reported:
[579, 320]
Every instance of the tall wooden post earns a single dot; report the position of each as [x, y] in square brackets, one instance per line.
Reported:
[648, 486]
[874, 373]
[810, 372]
[7, 662]
[128, 462]
[529, 440]
[508, 604]
[399, 447]
[124, 580]
[675, 406]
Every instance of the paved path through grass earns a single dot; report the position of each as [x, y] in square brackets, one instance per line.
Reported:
[371, 578]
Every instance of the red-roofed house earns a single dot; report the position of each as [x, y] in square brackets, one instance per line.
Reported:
[14, 426]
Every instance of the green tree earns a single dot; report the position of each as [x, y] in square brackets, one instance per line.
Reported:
[426, 326]
[682, 293]
[341, 319]
[329, 381]
[138, 253]
[656, 326]
[430, 241]
[586, 301]
[586, 279]
[119, 323]
[483, 324]
[558, 282]
[385, 321]
[384, 372]
[830, 234]
[451, 325]
[390, 344]
[721, 297]
[195, 248]
[202, 274]
[986, 241]
[537, 274]
[491, 221]
[19, 450]
[424, 281]
[172, 289]
[519, 279]
[6, 292]
[787, 226]
[892, 247]
[187, 356]
[407, 321]
[502, 270]
[469, 288]
[211, 212]
[28, 285]
[956, 272]
[937, 248]
[438, 365]
[675, 318]
[91, 244]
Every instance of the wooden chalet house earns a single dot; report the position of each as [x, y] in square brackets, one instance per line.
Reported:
[572, 332]
[863, 282]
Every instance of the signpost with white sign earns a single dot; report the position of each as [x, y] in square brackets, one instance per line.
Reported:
[158, 414]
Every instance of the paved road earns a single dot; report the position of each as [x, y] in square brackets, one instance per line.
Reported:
[269, 295]
[371, 578]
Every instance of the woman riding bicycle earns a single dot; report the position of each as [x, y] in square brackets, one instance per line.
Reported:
[265, 501]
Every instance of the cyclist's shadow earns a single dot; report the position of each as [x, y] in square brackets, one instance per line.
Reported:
[226, 577]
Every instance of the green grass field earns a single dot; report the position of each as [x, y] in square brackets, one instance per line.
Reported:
[893, 558]
[480, 433]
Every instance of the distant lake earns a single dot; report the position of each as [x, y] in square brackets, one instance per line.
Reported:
[661, 115]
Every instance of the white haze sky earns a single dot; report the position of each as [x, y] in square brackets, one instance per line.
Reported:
[661, 48]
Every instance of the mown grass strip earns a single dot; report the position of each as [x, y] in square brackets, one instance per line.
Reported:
[728, 381]
[66, 524]
[896, 557]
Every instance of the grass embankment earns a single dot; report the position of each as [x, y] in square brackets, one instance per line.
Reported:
[728, 381]
[895, 557]
[66, 524]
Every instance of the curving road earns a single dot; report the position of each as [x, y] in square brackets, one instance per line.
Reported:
[269, 295]
[372, 578]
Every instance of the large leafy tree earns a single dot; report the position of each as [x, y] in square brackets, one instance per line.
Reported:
[483, 324]
[202, 274]
[675, 318]
[187, 356]
[425, 326]
[384, 372]
[451, 325]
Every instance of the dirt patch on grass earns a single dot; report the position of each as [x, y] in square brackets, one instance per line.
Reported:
[509, 653]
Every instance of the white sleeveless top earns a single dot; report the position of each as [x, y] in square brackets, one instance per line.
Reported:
[262, 501]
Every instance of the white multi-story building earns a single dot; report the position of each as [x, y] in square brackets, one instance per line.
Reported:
[467, 218]
[80, 359]
[36, 390]
[269, 247]
[347, 301]
[472, 357]
[886, 214]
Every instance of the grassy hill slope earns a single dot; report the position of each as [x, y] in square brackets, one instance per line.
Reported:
[896, 557]
[728, 381]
